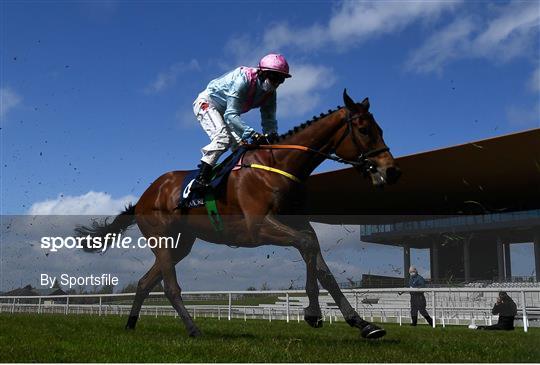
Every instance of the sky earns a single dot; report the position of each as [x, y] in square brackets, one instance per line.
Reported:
[95, 97]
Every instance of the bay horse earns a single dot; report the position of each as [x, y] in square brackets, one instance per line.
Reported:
[253, 205]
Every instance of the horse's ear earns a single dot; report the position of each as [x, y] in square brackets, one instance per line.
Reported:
[365, 103]
[349, 103]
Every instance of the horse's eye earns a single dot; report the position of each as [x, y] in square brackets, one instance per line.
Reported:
[363, 130]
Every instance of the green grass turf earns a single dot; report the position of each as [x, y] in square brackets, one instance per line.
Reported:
[58, 338]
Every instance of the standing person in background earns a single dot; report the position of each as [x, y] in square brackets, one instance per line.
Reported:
[506, 308]
[418, 300]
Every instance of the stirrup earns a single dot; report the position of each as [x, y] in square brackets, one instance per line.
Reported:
[199, 186]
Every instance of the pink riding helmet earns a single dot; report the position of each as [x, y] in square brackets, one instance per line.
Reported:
[275, 62]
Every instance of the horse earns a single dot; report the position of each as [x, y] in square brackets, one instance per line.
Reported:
[255, 200]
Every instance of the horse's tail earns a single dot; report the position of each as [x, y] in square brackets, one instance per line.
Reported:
[100, 229]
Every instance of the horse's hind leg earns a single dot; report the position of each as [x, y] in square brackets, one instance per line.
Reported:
[146, 284]
[153, 276]
[167, 259]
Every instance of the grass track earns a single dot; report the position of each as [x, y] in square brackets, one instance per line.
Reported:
[58, 338]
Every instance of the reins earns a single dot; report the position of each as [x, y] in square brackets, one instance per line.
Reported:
[361, 162]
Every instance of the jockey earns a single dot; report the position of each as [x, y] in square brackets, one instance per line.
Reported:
[219, 106]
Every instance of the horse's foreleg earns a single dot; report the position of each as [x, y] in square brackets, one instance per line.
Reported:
[312, 314]
[328, 281]
[279, 233]
[308, 244]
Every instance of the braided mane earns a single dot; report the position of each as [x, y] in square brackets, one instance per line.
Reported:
[304, 125]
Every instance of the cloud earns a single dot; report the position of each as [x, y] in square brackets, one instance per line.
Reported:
[87, 204]
[167, 79]
[99, 11]
[9, 99]
[360, 20]
[523, 116]
[300, 93]
[186, 118]
[448, 44]
[510, 33]
[534, 81]
[352, 22]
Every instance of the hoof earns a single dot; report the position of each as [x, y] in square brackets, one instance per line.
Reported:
[314, 321]
[132, 321]
[372, 332]
[195, 333]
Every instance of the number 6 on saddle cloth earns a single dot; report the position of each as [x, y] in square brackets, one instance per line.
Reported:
[220, 173]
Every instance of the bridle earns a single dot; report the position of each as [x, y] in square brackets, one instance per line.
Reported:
[363, 162]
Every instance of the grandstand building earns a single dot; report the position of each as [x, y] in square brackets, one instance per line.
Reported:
[467, 204]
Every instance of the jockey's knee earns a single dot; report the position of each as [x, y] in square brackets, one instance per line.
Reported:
[223, 140]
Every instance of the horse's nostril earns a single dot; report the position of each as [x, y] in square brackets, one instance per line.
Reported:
[392, 174]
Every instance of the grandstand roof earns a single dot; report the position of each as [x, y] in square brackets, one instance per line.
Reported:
[491, 175]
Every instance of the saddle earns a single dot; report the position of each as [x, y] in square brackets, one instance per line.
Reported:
[218, 181]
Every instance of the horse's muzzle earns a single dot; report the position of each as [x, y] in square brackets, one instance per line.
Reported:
[392, 174]
[384, 176]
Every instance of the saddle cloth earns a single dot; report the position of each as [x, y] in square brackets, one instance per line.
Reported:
[220, 173]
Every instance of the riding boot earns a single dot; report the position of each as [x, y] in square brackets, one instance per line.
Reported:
[202, 180]
[414, 320]
[429, 321]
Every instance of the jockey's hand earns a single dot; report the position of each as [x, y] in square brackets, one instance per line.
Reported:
[272, 137]
[258, 138]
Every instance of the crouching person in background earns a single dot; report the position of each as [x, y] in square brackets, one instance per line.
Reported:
[506, 308]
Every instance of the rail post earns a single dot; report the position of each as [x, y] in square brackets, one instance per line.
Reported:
[298, 315]
[67, 305]
[400, 314]
[13, 306]
[100, 305]
[230, 306]
[219, 313]
[287, 307]
[434, 324]
[39, 306]
[442, 318]
[524, 310]
[356, 301]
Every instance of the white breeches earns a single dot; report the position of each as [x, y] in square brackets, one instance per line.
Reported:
[213, 124]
